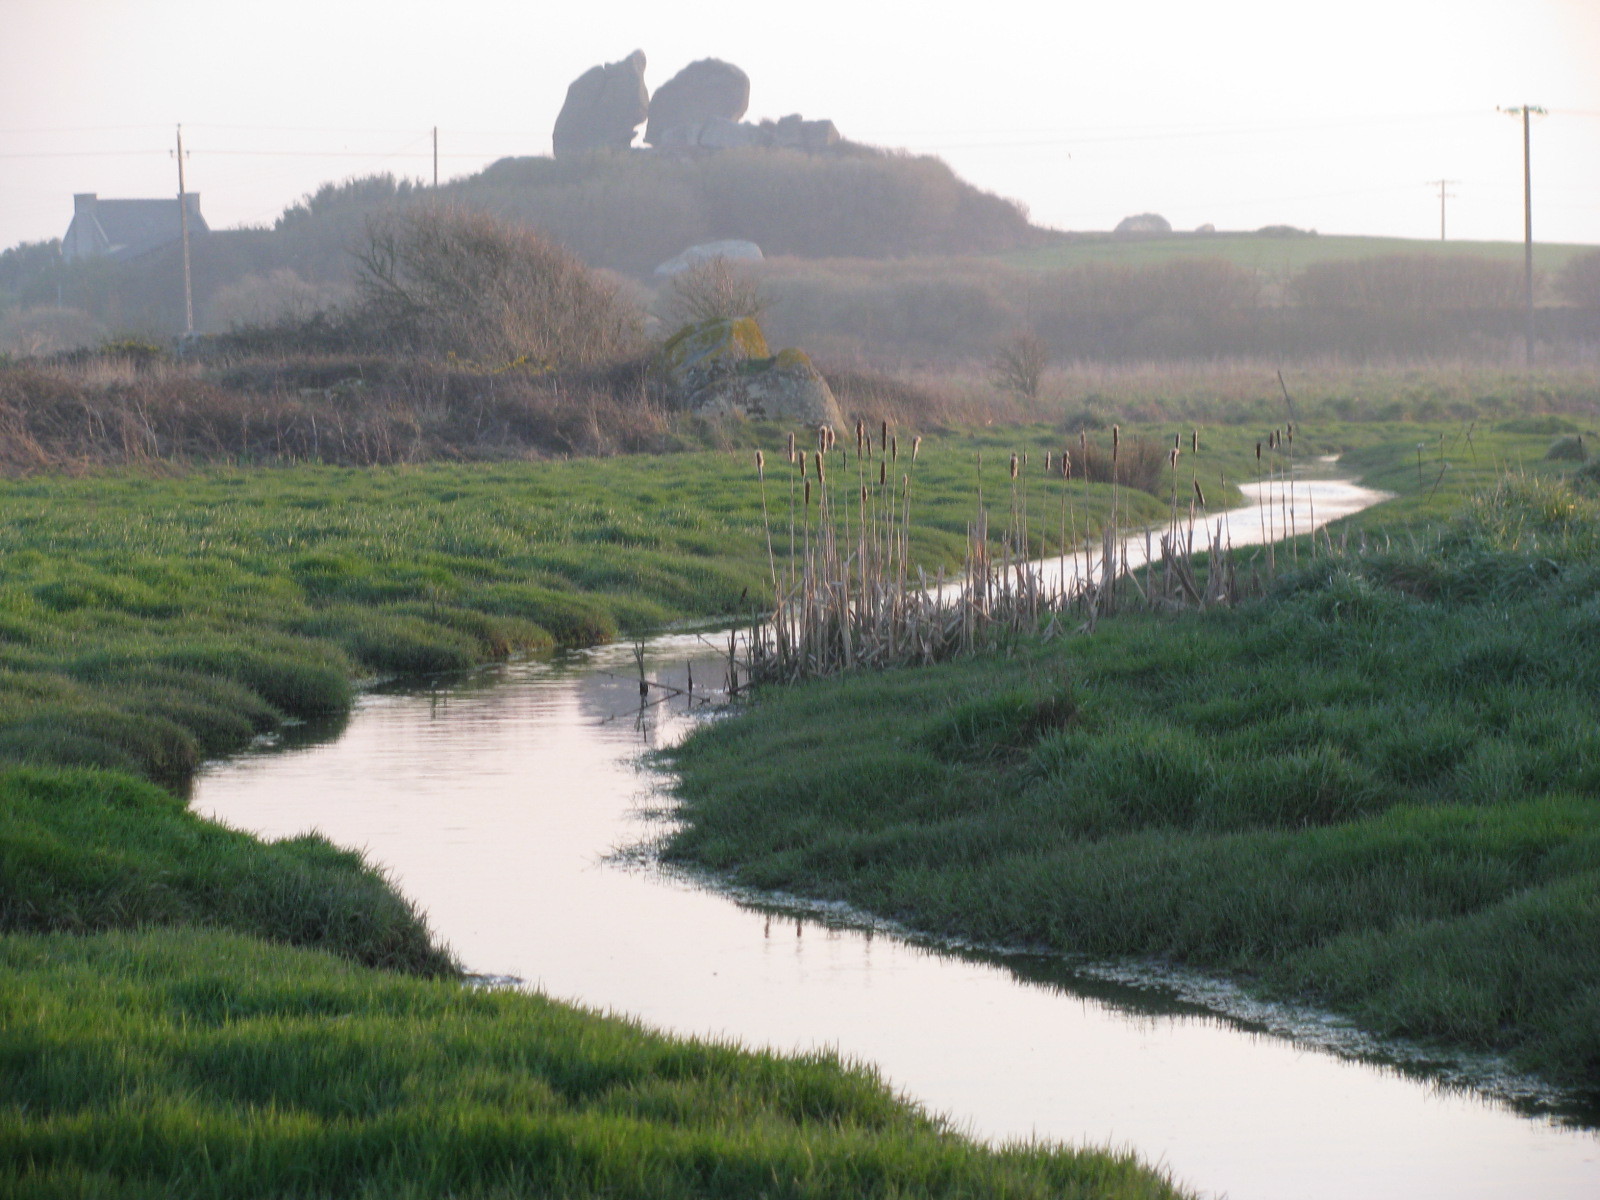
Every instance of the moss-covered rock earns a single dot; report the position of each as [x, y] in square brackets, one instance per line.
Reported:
[722, 367]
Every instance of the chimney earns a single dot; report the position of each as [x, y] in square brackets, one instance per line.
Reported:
[83, 203]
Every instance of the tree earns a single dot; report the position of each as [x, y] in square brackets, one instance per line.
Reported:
[1018, 365]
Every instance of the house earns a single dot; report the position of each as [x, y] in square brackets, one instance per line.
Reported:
[124, 229]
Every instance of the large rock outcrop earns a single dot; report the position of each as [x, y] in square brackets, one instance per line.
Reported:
[604, 108]
[703, 91]
[722, 367]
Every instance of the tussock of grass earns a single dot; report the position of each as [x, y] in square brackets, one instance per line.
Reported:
[82, 851]
[208, 1065]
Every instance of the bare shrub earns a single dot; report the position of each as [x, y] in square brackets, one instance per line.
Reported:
[446, 280]
[32, 331]
[1018, 365]
[1579, 281]
[715, 289]
[280, 296]
[1401, 282]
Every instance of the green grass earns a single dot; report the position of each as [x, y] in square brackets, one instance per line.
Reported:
[1374, 789]
[1273, 255]
[186, 1011]
[200, 1064]
[83, 851]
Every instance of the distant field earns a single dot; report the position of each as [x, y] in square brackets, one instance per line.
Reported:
[1271, 255]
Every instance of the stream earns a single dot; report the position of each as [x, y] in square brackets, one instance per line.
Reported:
[512, 806]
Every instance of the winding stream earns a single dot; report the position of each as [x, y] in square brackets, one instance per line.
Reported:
[506, 803]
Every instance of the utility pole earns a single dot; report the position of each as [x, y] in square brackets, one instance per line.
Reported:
[435, 156]
[183, 225]
[1443, 196]
[1527, 111]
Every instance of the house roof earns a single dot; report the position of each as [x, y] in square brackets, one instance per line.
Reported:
[128, 228]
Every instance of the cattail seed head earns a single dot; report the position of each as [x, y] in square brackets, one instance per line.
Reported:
[1116, 441]
[822, 437]
[791, 447]
[916, 444]
[883, 435]
[822, 476]
[1198, 494]
[1258, 451]
[761, 466]
[1172, 458]
[802, 462]
[1066, 464]
[1047, 461]
[883, 472]
[808, 493]
[1194, 441]
[861, 432]
[1013, 466]
[894, 448]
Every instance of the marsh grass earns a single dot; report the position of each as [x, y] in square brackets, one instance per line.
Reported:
[192, 1063]
[1373, 787]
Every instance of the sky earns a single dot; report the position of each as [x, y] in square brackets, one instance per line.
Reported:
[1339, 117]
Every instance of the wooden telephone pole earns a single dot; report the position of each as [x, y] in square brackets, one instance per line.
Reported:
[1527, 111]
[183, 225]
[1441, 184]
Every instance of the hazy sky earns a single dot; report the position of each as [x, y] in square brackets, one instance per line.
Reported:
[1241, 113]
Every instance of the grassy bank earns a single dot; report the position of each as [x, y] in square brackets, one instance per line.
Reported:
[201, 1064]
[189, 1012]
[1373, 789]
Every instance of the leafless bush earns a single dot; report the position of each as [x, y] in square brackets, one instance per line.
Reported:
[447, 280]
[1579, 281]
[280, 296]
[48, 330]
[715, 289]
[1018, 365]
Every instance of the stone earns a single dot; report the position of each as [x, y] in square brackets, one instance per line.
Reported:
[730, 249]
[794, 132]
[603, 109]
[722, 367]
[701, 91]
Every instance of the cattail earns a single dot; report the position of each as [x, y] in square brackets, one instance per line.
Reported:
[1116, 441]
[861, 433]
[1175, 440]
[808, 493]
[833, 438]
[1013, 466]
[802, 461]
[883, 472]
[761, 466]
[1172, 458]
[863, 497]
[883, 435]
[1083, 444]
[822, 437]
[916, 444]
[822, 476]
[1047, 460]
[791, 447]
[894, 448]
[1258, 451]
[1066, 464]
[1198, 494]
[1194, 441]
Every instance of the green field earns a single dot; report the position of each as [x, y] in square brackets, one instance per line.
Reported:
[1271, 254]
[189, 1012]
